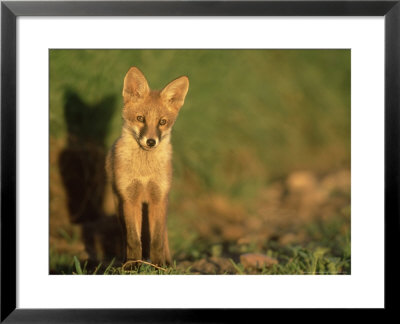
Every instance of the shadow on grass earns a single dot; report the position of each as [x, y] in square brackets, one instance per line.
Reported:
[81, 165]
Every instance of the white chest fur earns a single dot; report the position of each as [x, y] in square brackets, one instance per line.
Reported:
[137, 165]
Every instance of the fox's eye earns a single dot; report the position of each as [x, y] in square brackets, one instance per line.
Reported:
[163, 121]
[140, 118]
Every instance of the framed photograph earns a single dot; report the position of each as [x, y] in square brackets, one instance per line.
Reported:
[183, 156]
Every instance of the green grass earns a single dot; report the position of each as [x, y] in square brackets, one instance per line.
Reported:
[329, 256]
[269, 105]
[251, 118]
[295, 260]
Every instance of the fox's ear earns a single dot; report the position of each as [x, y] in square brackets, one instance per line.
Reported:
[135, 85]
[175, 92]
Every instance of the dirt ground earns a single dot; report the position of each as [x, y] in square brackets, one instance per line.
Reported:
[82, 222]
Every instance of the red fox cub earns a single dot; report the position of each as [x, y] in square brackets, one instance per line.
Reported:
[139, 165]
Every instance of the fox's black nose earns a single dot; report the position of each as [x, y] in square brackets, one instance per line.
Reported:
[150, 142]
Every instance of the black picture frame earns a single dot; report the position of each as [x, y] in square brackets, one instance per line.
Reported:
[10, 10]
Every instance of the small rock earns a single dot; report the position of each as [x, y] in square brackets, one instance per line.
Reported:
[301, 181]
[204, 267]
[213, 265]
[256, 261]
[224, 265]
[232, 232]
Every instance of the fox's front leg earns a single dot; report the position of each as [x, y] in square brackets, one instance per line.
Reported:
[159, 249]
[167, 253]
[133, 225]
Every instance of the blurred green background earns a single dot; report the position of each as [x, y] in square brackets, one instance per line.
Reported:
[261, 153]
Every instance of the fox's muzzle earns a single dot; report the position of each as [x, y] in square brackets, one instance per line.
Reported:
[148, 137]
[151, 142]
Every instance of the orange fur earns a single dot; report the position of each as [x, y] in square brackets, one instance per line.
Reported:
[139, 163]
